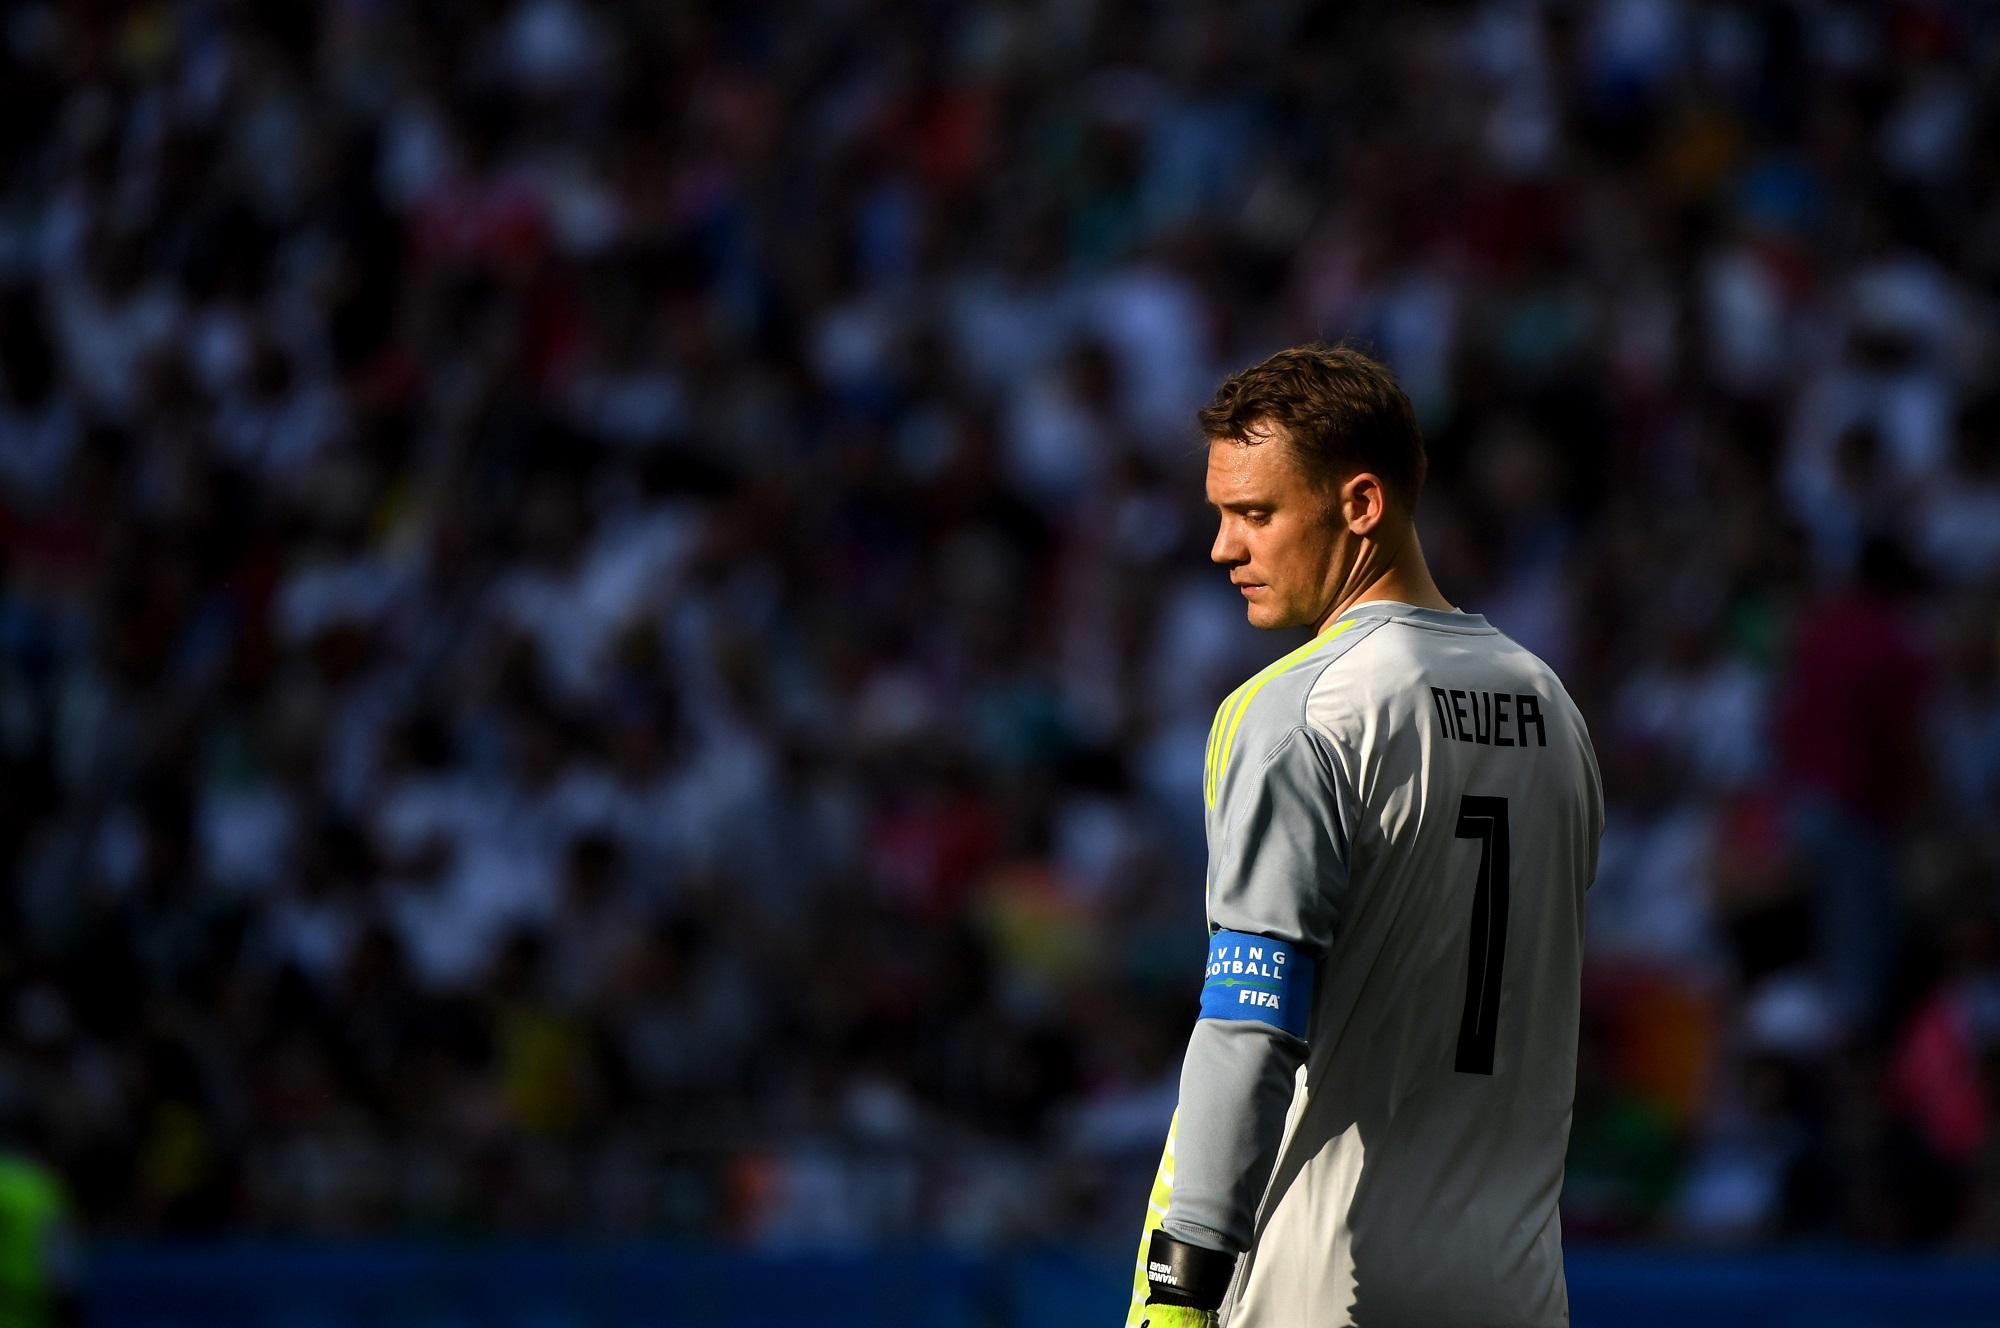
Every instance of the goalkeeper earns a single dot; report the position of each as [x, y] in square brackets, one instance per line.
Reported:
[1402, 819]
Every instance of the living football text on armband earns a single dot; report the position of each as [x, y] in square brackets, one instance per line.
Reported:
[1256, 977]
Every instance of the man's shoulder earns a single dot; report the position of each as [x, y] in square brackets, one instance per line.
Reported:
[1256, 719]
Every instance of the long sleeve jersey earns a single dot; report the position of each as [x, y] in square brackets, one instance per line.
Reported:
[1402, 819]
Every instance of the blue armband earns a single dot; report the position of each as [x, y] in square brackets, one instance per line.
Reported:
[1255, 977]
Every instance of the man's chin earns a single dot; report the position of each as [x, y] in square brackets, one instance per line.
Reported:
[1268, 617]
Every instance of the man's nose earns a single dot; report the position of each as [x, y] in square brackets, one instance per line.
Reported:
[1228, 548]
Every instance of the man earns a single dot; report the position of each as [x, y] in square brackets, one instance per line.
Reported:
[1403, 817]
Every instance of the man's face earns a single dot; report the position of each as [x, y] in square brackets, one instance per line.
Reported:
[1279, 536]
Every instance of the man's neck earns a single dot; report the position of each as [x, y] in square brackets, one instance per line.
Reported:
[1404, 578]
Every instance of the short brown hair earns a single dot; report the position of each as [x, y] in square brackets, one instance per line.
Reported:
[1343, 412]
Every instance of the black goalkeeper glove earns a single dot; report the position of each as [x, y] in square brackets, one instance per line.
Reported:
[1187, 1283]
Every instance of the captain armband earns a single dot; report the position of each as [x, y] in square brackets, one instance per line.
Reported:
[1256, 977]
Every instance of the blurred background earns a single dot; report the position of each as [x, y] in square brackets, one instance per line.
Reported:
[606, 634]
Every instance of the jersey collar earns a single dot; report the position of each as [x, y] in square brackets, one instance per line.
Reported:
[1456, 619]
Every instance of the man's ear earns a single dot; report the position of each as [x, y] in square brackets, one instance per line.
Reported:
[1363, 502]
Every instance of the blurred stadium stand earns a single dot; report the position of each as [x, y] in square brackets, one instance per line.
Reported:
[605, 634]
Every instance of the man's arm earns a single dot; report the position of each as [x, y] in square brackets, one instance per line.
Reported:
[1276, 877]
[1236, 1086]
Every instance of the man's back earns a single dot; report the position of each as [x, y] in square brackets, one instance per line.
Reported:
[1423, 1156]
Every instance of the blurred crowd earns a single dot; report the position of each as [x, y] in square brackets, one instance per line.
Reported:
[606, 628]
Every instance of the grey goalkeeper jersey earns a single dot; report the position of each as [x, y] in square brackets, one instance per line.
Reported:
[1403, 818]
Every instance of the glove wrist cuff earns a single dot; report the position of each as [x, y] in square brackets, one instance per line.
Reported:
[1180, 1273]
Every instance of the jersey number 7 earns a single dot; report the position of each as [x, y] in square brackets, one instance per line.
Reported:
[1484, 819]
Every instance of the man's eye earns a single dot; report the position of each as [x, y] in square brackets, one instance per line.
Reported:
[1257, 518]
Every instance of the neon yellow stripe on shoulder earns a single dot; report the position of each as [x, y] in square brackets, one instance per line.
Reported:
[1215, 728]
[1244, 695]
